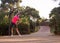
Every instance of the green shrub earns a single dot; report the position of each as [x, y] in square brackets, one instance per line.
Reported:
[4, 29]
[24, 28]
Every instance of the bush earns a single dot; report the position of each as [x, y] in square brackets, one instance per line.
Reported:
[24, 28]
[32, 26]
[4, 29]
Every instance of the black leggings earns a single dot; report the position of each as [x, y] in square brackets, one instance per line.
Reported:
[13, 25]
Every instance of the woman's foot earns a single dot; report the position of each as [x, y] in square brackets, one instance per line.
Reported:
[11, 35]
[20, 35]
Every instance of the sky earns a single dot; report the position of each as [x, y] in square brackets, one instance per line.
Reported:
[43, 6]
[0, 1]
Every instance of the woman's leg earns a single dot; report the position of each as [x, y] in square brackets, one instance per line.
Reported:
[11, 28]
[11, 31]
[18, 31]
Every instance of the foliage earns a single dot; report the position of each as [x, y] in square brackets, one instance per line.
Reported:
[8, 11]
[55, 20]
[31, 11]
[24, 28]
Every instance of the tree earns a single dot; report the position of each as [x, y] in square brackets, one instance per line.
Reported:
[10, 5]
[55, 19]
[31, 11]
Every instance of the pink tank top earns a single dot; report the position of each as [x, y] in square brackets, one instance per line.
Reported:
[15, 19]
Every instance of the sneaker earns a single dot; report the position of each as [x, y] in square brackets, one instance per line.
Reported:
[20, 35]
[11, 35]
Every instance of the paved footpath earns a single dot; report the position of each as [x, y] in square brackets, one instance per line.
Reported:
[42, 36]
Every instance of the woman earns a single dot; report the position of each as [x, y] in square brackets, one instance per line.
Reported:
[14, 22]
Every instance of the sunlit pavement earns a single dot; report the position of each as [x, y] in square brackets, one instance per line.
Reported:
[42, 36]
